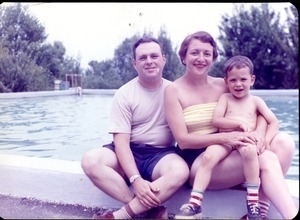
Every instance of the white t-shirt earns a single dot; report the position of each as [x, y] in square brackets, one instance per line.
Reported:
[140, 112]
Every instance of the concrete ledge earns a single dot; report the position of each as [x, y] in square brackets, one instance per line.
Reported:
[73, 91]
[36, 94]
[63, 186]
[275, 92]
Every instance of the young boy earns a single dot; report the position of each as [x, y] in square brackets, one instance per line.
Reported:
[238, 110]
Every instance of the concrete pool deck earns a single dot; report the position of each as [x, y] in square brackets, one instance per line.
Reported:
[37, 188]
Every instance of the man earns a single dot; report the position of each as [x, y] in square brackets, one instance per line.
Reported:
[143, 149]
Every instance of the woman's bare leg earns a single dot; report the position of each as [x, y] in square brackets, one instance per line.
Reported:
[274, 185]
[283, 146]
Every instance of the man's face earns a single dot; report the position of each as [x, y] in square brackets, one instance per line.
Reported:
[149, 62]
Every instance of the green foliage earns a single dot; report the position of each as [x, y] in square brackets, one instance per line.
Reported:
[123, 58]
[102, 75]
[27, 63]
[115, 72]
[51, 58]
[292, 48]
[272, 46]
[173, 68]
[21, 35]
[21, 77]
[19, 30]
[6, 71]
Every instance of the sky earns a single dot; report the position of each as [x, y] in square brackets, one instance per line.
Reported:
[92, 31]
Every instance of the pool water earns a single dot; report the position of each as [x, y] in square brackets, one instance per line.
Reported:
[65, 127]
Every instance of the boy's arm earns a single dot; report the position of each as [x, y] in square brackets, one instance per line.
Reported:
[219, 119]
[271, 120]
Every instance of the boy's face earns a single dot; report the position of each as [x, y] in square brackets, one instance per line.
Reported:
[239, 81]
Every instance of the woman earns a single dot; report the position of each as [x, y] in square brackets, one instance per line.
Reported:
[189, 105]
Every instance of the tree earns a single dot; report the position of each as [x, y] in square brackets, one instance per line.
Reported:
[116, 72]
[20, 31]
[28, 63]
[102, 75]
[51, 59]
[292, 47]
[123, 58]
[21, 34]
[173, 68]
[112, 73]
[258, 34]
[6, 64]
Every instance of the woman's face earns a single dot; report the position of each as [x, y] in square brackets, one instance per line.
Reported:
[199, 57]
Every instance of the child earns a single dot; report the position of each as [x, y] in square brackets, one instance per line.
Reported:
[237, 110]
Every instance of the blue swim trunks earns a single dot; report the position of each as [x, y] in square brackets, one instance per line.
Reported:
[189, 155]
[146, 157]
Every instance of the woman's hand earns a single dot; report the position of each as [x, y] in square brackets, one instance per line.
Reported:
[237, 138]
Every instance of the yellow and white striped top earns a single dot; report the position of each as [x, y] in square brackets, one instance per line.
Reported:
[198, 118]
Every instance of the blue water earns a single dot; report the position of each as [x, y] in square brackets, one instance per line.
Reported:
[65, 127]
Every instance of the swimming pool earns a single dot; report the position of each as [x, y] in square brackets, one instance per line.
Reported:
[65, 127]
